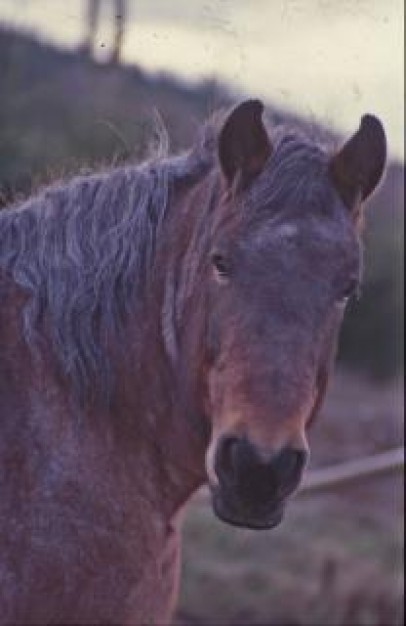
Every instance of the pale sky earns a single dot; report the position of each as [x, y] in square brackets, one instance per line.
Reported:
[332, 60]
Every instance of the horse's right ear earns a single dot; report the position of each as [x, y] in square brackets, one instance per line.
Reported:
[244, 144]
[358, 167]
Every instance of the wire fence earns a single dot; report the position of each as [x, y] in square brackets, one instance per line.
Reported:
[325, 479]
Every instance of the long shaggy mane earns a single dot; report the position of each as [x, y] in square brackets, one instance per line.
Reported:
[82, 251]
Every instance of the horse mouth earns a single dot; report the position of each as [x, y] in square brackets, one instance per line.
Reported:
[237, 513]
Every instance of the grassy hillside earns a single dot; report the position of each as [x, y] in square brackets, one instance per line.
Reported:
[60, 113]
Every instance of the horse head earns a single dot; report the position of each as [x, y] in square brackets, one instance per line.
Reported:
[285, 258]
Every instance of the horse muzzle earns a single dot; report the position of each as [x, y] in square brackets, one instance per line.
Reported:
[252, 490]
[233, 511]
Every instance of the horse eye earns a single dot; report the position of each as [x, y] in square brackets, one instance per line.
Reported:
[352, 288]
[220, 264]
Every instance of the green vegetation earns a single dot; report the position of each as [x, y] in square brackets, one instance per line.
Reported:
[61, 113]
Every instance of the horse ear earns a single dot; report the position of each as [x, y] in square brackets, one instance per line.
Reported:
[244, 144]
[358, 167]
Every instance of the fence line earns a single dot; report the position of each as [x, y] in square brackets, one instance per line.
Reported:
[351, 471]
[326, 479]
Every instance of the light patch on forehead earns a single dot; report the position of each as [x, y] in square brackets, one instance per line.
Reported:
[287, 231]
[320, 230]
[322, 234]
[284, 233]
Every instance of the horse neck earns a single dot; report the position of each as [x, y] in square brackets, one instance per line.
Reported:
[163, 451]
[159, 396]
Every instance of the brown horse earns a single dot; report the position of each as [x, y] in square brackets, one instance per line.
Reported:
[161, 325]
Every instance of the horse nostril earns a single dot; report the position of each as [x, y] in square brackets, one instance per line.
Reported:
[240, 467]
[226, 462]
[288, 466]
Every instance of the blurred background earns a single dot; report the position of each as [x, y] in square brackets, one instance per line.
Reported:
[89, 83]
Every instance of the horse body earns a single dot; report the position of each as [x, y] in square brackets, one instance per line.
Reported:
[133, 364]
[89, 521]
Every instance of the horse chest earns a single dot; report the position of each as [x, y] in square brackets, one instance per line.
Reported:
[71, 561]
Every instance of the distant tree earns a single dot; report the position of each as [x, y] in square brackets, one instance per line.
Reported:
[92, 19]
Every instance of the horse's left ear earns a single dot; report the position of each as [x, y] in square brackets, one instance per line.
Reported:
[244, 144]
[358, 167]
